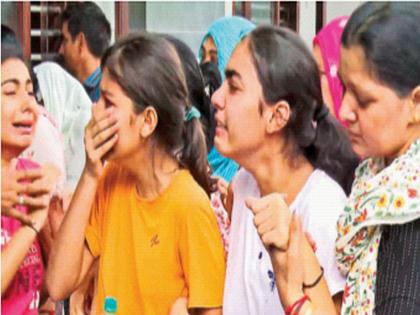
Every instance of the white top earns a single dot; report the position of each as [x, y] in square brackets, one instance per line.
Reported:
[250, 286]
[68, 103]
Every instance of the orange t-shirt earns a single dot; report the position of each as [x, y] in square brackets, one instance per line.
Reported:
[152, 252]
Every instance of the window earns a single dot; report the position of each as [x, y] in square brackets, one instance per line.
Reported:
[280, 13]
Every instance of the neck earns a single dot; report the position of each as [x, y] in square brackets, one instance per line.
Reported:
[86, 67]
[154, 175]
[275, 172]
[413, 135]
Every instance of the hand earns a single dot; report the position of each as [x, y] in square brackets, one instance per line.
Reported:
[34, 195]
[101, 134]
[289, 265]
[180, 307]
[226, 193]
[272, 219]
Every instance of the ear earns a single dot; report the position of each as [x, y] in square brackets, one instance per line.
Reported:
[278, 115]
[81, 42]
[149, 121]
[414, 100]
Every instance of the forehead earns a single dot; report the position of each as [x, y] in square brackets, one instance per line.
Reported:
[352, 63]
[14, 69]
[241, 60]
[209, 44]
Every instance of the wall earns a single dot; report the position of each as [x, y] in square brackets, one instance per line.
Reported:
[187, 21]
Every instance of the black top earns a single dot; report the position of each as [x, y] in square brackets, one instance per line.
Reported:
[398, 273]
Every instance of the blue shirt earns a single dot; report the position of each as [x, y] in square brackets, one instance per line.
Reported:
[92, 84]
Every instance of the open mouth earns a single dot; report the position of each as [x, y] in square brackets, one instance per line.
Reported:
[24, 127]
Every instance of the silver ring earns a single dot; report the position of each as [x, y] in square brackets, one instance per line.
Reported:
[21, 200]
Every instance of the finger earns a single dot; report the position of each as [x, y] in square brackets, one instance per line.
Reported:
[106, 146]
[256, 204]
[262, 216]
[311, 241]
[295, 238]
[22, 217]
[104, 135]
[40, 202]
[102, 124]
[30, 174]
[266, 226]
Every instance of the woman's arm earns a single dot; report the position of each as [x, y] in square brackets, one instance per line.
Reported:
[293, 259]
[36, 198]
[70, 258]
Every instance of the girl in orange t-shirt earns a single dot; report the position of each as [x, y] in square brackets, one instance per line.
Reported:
[145, 216]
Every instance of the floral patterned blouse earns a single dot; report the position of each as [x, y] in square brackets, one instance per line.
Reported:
[381, 195]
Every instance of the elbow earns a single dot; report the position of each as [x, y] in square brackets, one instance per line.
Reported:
[56, 288]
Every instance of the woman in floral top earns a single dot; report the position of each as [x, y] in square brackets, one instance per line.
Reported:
[379, 230]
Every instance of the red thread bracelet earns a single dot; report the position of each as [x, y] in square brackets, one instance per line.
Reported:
[298, 303]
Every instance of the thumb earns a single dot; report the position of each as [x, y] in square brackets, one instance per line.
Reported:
[295, 233]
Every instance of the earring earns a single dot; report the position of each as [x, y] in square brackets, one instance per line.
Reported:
[416, 118]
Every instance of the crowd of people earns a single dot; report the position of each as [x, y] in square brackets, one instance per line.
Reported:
[254, 176]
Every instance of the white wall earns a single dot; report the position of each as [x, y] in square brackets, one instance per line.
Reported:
[187, 21]
[338, 8]
[108, 7]
[307, 21]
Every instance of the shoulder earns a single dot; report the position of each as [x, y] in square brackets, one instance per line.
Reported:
[188, 195]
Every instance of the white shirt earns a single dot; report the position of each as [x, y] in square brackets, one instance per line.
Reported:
[250, 286]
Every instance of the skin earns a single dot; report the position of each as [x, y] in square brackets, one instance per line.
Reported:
[325, 87]
[379, 120]
[251, 132]
[209, 51]
[77, 56]
[113, 115]
[19, 117]
[381, 124]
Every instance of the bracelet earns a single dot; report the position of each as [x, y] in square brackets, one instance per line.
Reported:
[290, 309]
[311, 285]
[31, 226]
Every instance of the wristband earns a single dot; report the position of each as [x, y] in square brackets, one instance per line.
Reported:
[298, 304]
[31, 226]
[311, 285]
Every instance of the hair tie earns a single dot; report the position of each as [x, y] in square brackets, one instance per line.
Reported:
[191, 113]
[322, 113]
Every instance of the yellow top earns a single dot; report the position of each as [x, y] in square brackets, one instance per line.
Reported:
[152, 252]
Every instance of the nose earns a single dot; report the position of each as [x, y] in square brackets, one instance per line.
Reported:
[217, 98]
[346, 112]
[28, 103]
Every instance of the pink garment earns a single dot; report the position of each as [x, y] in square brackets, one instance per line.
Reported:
[329, 40]
[22, 296]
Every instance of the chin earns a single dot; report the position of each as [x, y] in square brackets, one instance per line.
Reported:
[222, 149]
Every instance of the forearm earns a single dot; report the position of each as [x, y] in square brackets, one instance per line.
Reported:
[319, 295]
[14, 253]
[65, 263]
[290, 292]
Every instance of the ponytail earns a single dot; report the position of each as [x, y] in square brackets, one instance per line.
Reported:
[331, 150]
[194, 150]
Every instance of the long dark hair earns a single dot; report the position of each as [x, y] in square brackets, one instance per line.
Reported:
[287, 71]
[195, 84]
[148, 69]
[389, 34]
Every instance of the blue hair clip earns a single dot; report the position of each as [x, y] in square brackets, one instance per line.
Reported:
[192, 112]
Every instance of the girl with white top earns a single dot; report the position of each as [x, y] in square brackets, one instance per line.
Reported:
[271, 120]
